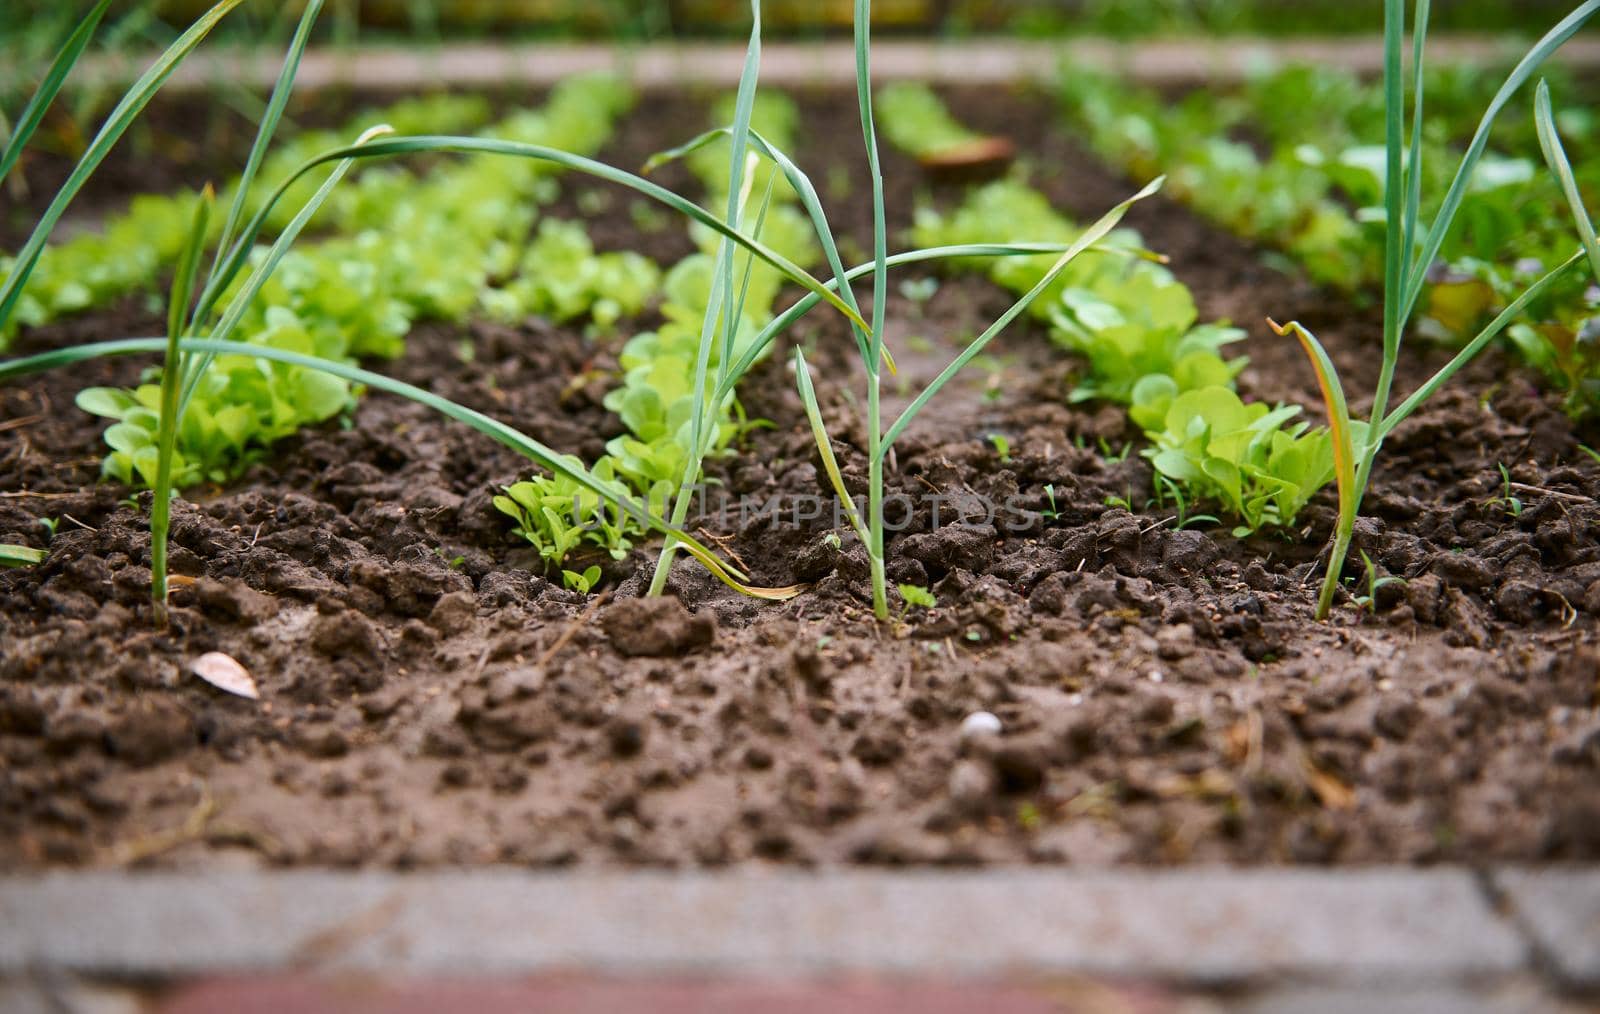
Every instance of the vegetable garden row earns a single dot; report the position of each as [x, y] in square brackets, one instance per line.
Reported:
[394, 248]
[1443, 210]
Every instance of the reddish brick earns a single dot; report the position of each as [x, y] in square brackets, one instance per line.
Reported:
[575, 995]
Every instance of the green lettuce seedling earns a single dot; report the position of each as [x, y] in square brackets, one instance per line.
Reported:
[915, 596]
[915, 120]
[1257, 463]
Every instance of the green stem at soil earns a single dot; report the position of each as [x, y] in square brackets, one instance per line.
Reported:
[171, 402]
[669, 549]
[1394, 281]
[722, 308]
[704, 432]
[1330, 584]
[880, 590]
[880, 286]
[161, 506]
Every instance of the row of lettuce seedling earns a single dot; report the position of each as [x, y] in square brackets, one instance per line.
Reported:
[1135, 326]
[399, 249]
[1296, 160]
[129, 251]
[657, 395]
[1419, 223]
[1260, 463]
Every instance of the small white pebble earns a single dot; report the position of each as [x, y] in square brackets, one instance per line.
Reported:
[1075, 699]
[1155, 676]
[1386, 684]
[979, 723]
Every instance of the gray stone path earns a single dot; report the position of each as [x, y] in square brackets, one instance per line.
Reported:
[786, 63]
[1440, 939]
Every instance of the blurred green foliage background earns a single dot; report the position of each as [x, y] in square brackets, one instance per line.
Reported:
[356, 20]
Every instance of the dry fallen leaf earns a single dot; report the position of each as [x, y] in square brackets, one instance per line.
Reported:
[222, 672]
[1329, 788]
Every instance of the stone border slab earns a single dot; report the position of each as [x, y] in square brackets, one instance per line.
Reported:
[1195, 927]
[971, 61]
[1560, 910]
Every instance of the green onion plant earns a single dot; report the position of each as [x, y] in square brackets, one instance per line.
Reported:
[870, 343]
[869, 340]
[1409, 251]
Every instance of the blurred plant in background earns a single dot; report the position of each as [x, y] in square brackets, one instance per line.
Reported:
[26, 26]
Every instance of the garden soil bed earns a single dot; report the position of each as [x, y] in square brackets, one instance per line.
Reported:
[1166, 697]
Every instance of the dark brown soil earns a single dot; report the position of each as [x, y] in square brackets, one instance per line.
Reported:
[1165, 696]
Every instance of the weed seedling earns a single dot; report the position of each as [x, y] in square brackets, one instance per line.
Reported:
[1369, 601]
[1510, 502]
[453, 562]
[1050, 513]
[1002, 447]
[1116, 456]
[1167, 489]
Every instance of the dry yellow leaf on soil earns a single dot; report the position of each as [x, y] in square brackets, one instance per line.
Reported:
[226, 674]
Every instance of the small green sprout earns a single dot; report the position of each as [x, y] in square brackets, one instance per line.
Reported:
[581, 583]
[1115, 456]
[833, 541]
[1369, 601]
[50, 525]
[1125, 501]
[1002, 447]
[1512, 504]
[1165, 489]
[1051, 513]
[453, 562]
